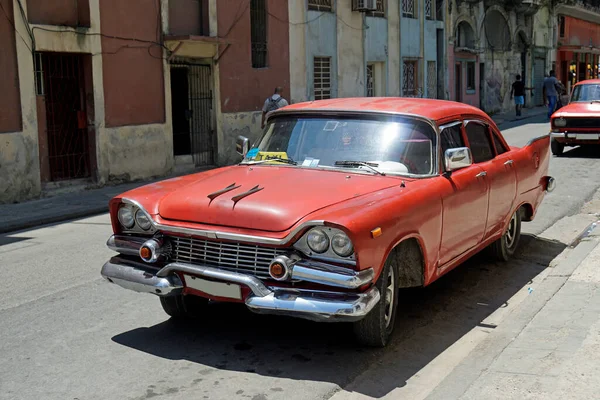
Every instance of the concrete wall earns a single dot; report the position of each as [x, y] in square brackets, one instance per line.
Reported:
[10, 99]
[350, 52]
[394, 81]
[125, 152]
[321, 41]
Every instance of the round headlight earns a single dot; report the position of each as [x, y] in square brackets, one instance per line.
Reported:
[318, 241]
[560, 122]
[142, 220]
[341, 245]
[126, 218]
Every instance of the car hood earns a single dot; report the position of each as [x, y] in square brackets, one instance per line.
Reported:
[267, 198]
[580, 109]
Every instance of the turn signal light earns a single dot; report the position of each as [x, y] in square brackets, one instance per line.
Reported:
[277, 270]
[145, 253]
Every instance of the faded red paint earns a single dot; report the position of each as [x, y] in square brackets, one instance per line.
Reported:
[59, 12]
[438, 212]
[244, 88]
[133, 71]
[579, 33]
[188, 17]
[10, 97]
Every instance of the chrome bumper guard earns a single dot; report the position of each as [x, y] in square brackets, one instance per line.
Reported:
[312, 305]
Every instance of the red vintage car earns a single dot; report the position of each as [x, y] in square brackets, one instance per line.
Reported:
[336, 207]
[577, 123]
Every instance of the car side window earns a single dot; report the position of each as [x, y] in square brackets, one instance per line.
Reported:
[479, 142]
[499, 146]
[451, 138]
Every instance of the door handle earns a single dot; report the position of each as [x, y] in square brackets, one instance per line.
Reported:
[509, 162]
[482, 173]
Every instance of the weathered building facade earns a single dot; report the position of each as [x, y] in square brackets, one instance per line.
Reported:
[94, 91]
[578, 41]
[338, 50]
[490, 42]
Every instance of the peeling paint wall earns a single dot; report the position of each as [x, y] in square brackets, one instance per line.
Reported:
[321, 41]
[393, 49]
[350, 51]
[233, 125]
[123, 153]
[298, 71]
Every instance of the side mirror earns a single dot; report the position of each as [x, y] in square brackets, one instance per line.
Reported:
[457, 158]
[241, 145]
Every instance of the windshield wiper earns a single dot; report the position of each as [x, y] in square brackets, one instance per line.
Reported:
[360, 163]
[283, 160]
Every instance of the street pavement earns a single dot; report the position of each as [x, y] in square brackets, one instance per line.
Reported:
[486, 330]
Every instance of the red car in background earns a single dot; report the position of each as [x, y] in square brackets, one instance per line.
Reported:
[339, 205]
[577, 123]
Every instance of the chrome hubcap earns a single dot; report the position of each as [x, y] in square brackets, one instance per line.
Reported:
[511, 233]
[389, 297]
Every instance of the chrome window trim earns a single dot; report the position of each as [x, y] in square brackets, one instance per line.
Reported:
[535, 139]
[227, 235]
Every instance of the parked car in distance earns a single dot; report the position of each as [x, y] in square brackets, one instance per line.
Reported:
[339, 205]
[577, 123]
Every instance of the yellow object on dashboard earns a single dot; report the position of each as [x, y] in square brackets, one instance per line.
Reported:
[265, 155]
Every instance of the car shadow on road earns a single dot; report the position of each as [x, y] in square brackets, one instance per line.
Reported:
[429, 321]
[587, 151]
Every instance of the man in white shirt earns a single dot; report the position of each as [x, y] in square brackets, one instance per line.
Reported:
[273, 103]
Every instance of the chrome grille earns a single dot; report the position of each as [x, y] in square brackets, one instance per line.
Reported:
[236, 257]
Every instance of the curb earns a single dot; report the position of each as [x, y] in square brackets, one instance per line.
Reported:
[40, 222]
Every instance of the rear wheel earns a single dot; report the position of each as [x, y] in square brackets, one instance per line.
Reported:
[376, 328]
[556, 147]
[505, 247]
[183, 306]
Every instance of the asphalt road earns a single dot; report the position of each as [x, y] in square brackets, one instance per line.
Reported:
[67, 334]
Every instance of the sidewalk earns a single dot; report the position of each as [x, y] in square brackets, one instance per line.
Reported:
[509, 116]
[65, 206]
[550, 347]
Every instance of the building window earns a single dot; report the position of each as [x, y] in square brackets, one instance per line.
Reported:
[39, 74]
[561, 26]
[380, 13]
[431, 79]
[370, 81]
[320, 5]
[258, 33]
[322, 78]
[471, 75]
[429, 9]
[409, 78]
[439, 10]
[408, 9]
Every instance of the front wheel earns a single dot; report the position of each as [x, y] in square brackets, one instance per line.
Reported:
[183, 306]
[376, 328]
[505, 247]
[556, 147]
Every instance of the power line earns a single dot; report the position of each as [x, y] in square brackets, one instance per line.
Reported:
[13, 25]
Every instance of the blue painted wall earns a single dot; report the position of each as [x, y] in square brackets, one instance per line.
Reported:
[321, 41]
[377, 39]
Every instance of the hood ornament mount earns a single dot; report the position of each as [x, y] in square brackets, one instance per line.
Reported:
[246, 194]
[216, 194]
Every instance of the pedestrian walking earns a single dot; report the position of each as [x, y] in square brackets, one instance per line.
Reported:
[551, 89]
[273, 103]
[518, 92]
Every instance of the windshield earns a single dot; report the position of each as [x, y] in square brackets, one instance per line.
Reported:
[586, 92]
[392, 145]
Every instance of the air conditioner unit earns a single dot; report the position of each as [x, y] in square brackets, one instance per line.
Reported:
[365, 5]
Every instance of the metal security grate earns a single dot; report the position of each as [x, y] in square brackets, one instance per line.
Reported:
[320, 5]
[408, 8]
[258, 33]
[236, 257]
[370, 86]
[431, 80]
[428, 9]
[380, 12]
[322, 78]
[409, 79]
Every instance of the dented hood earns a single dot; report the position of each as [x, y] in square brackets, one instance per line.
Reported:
[268, 198]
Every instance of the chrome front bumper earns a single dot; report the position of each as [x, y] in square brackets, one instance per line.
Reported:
[313, 305]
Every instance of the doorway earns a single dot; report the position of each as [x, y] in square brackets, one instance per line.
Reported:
[192, 111]
[66, 141]
[458, 82]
